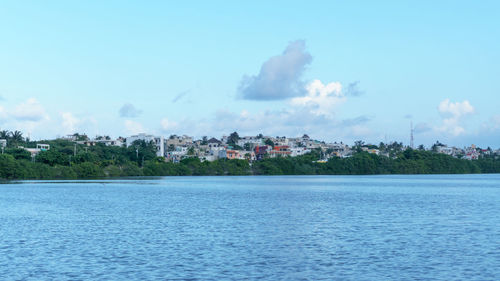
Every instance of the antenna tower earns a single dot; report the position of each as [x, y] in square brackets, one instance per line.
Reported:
[411, 135]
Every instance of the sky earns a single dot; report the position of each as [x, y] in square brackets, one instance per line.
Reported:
[335, 70]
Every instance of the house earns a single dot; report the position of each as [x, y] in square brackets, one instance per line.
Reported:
[253, 141]
[43, 147]
[260, 152]
[280, 150]
[371, 150]
[214, 143]
[109, 142]
[281, 141]
[178, 154]
[445, 150]
[233, 154]
[222, 154]
[175, 140]
[297, 151]
[39, 148]
[472, 155]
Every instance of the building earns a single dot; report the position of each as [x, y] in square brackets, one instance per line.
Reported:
[174, 141]
[233, 154]
[43, 147]
[3, 143]
[39, 148]
[297, 151]
[159, 142]
[253, 141]
[280, 150]
[260, 152]
[445, 150]
[214, 143]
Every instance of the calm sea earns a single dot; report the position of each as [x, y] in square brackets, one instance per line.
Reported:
[432, 227]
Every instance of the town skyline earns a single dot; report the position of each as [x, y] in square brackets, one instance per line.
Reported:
[344, 72]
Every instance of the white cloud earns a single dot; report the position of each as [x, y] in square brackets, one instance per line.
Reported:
[280, 76]
[453, 115]
[167, 125]
[69, 122]
[293, 121]
[457, 109]
[321, 99]
[31, 110]
[133, 127]
[495, 122]
[244, 113]
[130, 111]
[3, 113]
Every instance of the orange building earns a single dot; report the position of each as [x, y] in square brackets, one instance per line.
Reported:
[233, 154]
[280, 150]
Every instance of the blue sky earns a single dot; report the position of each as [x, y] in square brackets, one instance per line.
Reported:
[338, 71]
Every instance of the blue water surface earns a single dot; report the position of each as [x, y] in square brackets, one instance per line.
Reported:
[428, 227]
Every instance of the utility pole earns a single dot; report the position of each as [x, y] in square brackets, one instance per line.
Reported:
[74, 151]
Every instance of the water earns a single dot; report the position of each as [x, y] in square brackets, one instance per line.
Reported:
[275, 228]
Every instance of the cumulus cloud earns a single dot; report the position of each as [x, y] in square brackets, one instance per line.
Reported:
[354, 90]
[279, 77]
[321, 99]
[31, 110]
[453, 114]
[128, 110]
[133, 127]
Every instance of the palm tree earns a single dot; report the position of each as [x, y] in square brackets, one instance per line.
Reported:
[4, 134]
[16, 137]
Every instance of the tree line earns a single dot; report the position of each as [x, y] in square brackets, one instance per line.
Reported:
[68, 160]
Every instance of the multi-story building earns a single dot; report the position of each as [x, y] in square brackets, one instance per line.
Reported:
[261, 151]
[280, 150]
[253, 141]
[159, 142]
[297, 151]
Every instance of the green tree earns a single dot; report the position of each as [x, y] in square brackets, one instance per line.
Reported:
[233, 138]
[269, 142]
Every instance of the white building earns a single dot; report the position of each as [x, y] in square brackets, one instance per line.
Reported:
[159, 142]
[297, 151]
[254, 141]
[175, 140]
[445, 150]
[42, 146]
